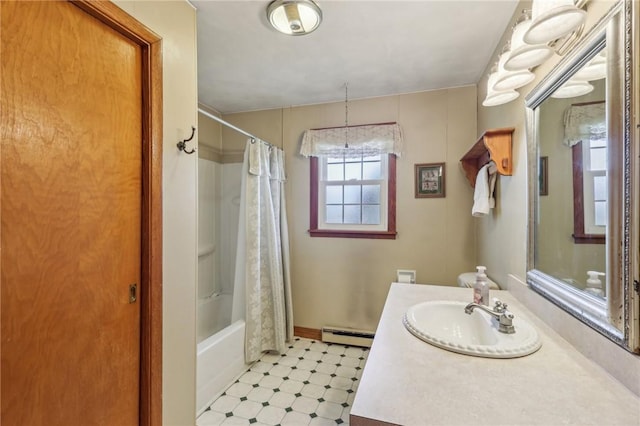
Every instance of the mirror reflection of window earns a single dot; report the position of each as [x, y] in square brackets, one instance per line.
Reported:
[586, 133]
[572, 218]
[595, 179]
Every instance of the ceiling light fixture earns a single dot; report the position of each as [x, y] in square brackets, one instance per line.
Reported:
[553, 19]
[294, 17]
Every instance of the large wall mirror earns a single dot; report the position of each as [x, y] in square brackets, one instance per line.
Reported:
[583, 180]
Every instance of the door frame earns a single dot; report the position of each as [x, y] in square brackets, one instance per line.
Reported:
[150, 294]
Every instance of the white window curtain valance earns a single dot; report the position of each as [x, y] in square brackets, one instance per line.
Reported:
[584, 122]
[365, 140]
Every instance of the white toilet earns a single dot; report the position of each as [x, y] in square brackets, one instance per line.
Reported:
[468, 279]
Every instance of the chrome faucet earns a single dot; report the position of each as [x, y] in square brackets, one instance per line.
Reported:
[499, 313]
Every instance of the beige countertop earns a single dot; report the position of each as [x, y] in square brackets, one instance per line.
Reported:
[409, 382]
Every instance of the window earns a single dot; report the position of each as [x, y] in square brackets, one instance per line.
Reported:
[353, 180]
[595, 186]
[353, 197]
[590, 190]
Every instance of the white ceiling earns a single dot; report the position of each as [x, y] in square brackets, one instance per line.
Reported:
[379, 47]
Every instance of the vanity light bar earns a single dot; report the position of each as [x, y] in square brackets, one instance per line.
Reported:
[530, 45]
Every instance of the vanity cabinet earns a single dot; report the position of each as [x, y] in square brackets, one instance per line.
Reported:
[494, 144]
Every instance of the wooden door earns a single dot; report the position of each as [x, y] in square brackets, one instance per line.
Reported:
[72, 217]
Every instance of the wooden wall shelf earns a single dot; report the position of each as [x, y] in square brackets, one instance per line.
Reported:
[494, 144]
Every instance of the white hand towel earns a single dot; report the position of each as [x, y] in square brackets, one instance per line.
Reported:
[493, 175]
[483, 194]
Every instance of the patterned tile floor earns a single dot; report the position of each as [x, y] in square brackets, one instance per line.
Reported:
[313, 383]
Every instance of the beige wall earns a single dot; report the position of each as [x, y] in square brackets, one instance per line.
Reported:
[209, 132]
[175, 22]
[344, 282]
[209, 138]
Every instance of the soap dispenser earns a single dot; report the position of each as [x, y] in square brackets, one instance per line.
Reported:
[594, 285]
[481, 287]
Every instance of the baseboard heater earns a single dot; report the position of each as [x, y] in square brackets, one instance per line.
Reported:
[347, 336]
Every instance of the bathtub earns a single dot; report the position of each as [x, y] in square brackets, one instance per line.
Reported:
[220, 363]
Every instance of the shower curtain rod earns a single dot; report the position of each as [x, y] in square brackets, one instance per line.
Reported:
[237, 129]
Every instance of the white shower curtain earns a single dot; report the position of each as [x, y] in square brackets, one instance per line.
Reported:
[262, 261]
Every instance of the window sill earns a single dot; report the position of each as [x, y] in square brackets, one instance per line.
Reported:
[332, 233]
[589, 239]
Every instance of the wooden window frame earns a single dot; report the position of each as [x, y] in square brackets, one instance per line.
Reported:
[579, 236]
[389, 234]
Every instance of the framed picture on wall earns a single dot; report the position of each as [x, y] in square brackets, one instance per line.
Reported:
[429, 180]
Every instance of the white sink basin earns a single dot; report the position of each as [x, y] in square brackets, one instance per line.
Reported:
[446, 325]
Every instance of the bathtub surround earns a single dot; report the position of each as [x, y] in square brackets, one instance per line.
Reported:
[213, 314]
[214, 295]
[312, 383]
[220, 311]
[218, 209]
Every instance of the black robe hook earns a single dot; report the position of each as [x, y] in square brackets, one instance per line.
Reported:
[182, 145]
